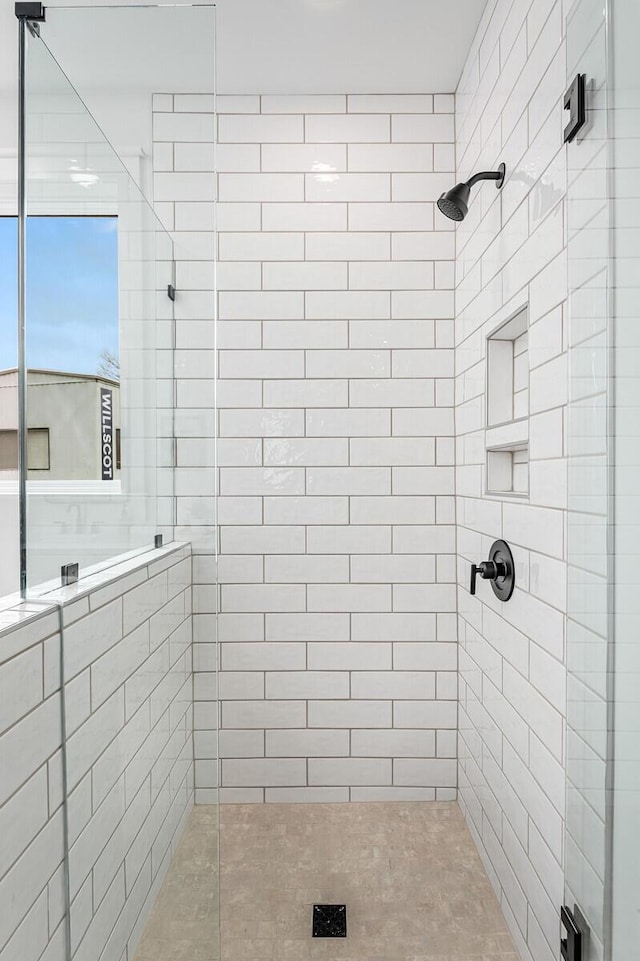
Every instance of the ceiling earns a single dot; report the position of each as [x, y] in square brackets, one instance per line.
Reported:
[270, 46]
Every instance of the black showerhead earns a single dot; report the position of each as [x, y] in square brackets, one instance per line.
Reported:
[454, 203]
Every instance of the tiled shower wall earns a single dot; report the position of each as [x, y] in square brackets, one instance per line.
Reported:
[511, 253]
[127, 662]
[335, 397]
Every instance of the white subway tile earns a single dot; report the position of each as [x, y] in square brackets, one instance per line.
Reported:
[355, 305]
[308, 103]
[337, 771]
[348, 656]
[390, 158]
[263, 714]
[394, 684]
[348, 480]
[262, 597]
[419, 186]
[322, 186]
[297, 216]
[348, 423]
[236, 158]
[258, 246]
[262, 772]
[422, 128]
[306, 510]
[184, 186]
[195, 127]
[393, 743]
[349, 714]
[391, 216]
[241, 481]
[265, 305]
[261, 187]
[316, 743]
[261, 364]
[288, 569]
[262, 540]
[347, 246]
[393, 510]
[304, 276]
[425, 714]
[312, 685]
[306, 393]
[236, 216]
[393, 568]
[259, 129]
[416, 245]
[390, 103]
[307, 451]
[307, 627]
[349, 363]
[349, 539]
[422, 303]
[394, 627]
[391, 276]
[237, 103]
[437, 772]
[347, 128]
[304, 158]
[348, 597]
[266, 656]
[391, 451]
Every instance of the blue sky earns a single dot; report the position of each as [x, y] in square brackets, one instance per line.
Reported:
[72, 292]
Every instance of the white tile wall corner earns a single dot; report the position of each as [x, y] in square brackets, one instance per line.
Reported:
[128, 701]
[335, 422]
[511, 250]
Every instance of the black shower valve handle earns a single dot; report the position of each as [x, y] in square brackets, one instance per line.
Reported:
[499, 569]
[488, 571]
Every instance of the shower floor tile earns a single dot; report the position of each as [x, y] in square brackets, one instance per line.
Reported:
[409, 874]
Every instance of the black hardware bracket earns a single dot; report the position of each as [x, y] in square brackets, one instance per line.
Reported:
[29, 10]
[573, 947]
[158, 540]
[69, 574]
[171, 292]
[575, 103]
[500, 569]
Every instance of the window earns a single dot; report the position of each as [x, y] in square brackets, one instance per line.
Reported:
[37, 449]
[8, 449]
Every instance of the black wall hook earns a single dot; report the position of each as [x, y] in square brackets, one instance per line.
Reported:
[499, 569]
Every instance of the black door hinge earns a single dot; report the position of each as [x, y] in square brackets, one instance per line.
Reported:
[575, 103]
[573, 947]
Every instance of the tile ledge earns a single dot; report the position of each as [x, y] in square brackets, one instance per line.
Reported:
[16, 613]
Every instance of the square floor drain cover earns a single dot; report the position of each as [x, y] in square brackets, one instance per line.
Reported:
[329, 920]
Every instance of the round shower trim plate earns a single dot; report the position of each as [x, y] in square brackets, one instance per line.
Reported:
[503, 171]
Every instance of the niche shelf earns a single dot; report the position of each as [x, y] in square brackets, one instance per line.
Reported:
[507, 393]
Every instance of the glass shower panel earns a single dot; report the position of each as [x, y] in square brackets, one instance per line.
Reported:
[99, 342]
[625, 184]
[589, 500]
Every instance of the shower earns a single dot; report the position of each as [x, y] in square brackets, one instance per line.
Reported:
[454, 203]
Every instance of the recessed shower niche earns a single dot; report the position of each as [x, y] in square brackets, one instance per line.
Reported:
[507, 430]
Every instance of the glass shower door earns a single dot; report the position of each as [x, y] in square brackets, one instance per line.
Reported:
[100, 348]
[603, 639]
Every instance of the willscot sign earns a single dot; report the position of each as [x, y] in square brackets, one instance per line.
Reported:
[106, 433]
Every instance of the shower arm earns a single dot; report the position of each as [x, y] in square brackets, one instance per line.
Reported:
[486, 175]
